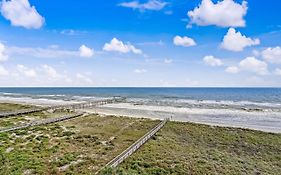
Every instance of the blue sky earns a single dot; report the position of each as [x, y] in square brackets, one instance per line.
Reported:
[181, 43]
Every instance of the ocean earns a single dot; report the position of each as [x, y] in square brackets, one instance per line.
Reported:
[254, 108]
[270, 97]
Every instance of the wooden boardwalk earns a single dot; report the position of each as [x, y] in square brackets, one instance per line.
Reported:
[68, 106]
[20, 112]
[41, 122]
[129, 151]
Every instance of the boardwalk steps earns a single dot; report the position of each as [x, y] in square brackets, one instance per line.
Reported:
[69, 106]
[41, 122]
[129, 151]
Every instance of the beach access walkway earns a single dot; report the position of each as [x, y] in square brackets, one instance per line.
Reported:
[135, 146]
[68, 106]
[41, 122]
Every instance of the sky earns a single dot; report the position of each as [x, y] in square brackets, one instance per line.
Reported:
[140, 43]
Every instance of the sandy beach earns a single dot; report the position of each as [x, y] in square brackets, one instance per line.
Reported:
[263, 121]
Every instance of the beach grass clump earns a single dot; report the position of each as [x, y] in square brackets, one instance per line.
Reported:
[9, 107]
[186, 148]
[26, 118]
[78, 146]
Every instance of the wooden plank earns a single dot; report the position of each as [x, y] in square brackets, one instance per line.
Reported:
[135, 146]
[41, 122]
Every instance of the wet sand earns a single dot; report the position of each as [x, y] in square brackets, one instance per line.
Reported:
[256, 120]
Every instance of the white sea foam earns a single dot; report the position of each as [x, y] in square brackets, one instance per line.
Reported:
[35, 101]
[257, 120]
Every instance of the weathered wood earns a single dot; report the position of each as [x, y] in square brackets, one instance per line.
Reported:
[129, 151]
[40, 122]
[20, 112]
[68, 106]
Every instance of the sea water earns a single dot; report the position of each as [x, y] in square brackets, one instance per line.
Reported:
[254, 108]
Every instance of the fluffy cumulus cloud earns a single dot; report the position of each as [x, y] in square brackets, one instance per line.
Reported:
[21, 13]
[226, 13]
[232, 69]
[149, 5]
[85, 51]
[184, 41]
[272, 55]
[3, 55]
[3, 71]
[254, 65]
[235, 41]
[28, 72]
[116, 45]
[212, 61]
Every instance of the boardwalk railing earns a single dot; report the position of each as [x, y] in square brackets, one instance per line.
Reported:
[129, 151]
[41, 122]
[68, 106]
[20, 112]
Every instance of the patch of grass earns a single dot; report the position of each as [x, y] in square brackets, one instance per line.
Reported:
[83, 145]
[186, 148]
[8, 107]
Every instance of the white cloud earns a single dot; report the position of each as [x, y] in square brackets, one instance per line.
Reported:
[118, 46]
[3, 55]
[50, 71]
[28, 72]
[225, 13]
[277, 71]
[152, 43]
[41, 52]
[140, 71]
[254, 65]
[235, 41]
[149, 5]
[3, 71]
[232, 69]
[84, 78]
[50, 52]
[184, 41]
[256, 53]
[272, 55]
[21, 13]
[86, 51]
[168, 61]
[212, 61]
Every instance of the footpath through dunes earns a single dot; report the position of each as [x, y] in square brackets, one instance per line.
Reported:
[134, 147]
[74, 106]
[79, 146]
[41, 122]
[187, 148]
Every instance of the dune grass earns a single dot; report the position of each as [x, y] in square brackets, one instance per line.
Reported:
[8, 107]
[186, 148]
[78, 146]
[85, 144]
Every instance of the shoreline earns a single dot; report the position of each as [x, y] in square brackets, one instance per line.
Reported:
[189, 119]
[254, 120]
